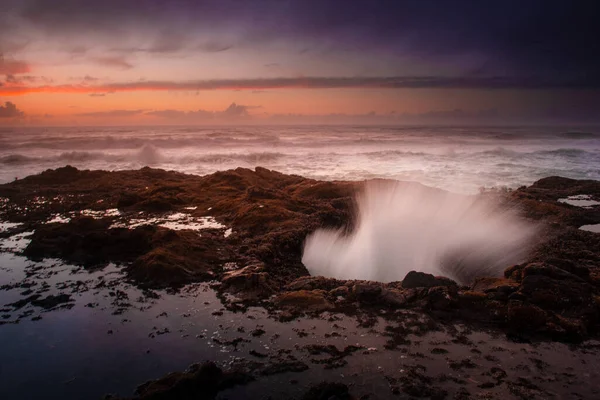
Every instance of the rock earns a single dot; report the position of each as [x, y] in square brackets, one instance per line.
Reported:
[556, 294]
[525, 317]
[304, 300]
[487, 285]
[469, 297]
[416, 279]
[51, 301]
[313, 282]
[569, 266]
[342, 291]
[128, 199]
[440, 298]
[514, 272]
[366, 290]
[549, 271]
[200, 382]
[393, 297]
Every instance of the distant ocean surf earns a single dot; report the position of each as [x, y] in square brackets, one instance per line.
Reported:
[459, 159]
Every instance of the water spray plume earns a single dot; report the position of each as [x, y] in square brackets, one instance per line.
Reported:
[401, 227]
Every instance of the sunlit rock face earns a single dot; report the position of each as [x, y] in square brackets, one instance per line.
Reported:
[402, 227]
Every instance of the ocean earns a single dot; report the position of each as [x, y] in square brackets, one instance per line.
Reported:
[459, 159]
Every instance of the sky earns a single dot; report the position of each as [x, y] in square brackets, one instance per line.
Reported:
[68, 62]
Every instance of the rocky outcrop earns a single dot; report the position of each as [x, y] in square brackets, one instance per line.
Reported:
[556, 292]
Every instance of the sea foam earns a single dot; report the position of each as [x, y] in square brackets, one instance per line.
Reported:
[401, 227]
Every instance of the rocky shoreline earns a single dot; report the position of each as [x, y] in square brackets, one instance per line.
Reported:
[252, 225]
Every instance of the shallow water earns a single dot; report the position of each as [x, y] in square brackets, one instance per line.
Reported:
[113, 336]
[591, 228]
[581, 200]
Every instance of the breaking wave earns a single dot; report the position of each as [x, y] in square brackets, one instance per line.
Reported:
[402, 227]
[149, 155]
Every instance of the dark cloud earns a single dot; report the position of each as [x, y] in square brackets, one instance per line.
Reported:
[13, 67]
[552, 39]
[177, 114]
[111, 113]
[10, 110]
[394, 82]
[113, 62]
[234, 111]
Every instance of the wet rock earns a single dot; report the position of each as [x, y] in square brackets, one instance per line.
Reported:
[416, 279]
[486, 285]
[525, 317]
[550, 271]
[201, 382]
[88, 241]
[441, 298]
[304, 300]
[128, 199]
[340, 291]
[367, 291]
[313, 282]
[252, 278]
[23, 302]
[51, 301]
[393, 297]
[471, 298]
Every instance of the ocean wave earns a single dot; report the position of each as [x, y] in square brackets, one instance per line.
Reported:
[580, 135]
[16, 159]
[147, 155]
[250, 158]
[387, 153]
[566, 152]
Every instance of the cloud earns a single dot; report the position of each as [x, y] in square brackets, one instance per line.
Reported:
[234, 111]
[10, 110]
[392, 82]
[113, 62]
[213, 47]
[551, 38]
[111, 113]
[13, 67]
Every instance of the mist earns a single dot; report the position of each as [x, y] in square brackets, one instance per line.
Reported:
[400, 227]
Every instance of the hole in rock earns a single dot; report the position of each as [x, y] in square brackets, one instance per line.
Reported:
[401, 227]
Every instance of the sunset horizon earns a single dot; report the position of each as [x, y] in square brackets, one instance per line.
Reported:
[155, 62]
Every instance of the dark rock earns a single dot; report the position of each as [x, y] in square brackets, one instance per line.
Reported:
[51, 301]
[525, 317]
[250, 281]
[393, 297]
[304, 300]
[416, 279]
[441, 298]
[487, 285]
[342, 291]
[201, 382]
[367, 291]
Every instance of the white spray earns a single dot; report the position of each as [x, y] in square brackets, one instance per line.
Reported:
[402, 227]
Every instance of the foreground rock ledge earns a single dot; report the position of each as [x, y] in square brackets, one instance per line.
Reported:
[555, 294]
